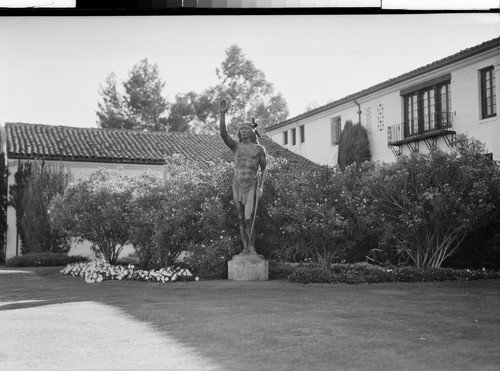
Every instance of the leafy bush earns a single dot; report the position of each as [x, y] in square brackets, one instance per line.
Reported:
[427, 203]
[352, 199]
[194, 213]
[322, 213]
[414, 211]
[210, 261]
[366, 273]
[187, 205]
[44, 259]
[304, 214]
[95, 209]
[147, 199]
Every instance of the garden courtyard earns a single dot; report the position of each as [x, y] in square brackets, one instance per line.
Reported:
[55, 322]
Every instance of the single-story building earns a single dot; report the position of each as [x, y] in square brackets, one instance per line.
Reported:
[82, 150]
[417, 111]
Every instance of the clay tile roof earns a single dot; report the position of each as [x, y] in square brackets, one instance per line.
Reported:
[35, 141]
[463, 54]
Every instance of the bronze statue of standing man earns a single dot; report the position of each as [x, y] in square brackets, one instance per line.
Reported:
[249, 155]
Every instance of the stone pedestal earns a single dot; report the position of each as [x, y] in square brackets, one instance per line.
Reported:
[248, 268]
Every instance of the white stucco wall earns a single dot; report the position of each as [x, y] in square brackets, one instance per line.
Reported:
[79, 170]
[317, 146]
[384, 108]
[466, 105]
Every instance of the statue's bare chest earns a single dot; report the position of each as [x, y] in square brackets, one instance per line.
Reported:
[246, 154]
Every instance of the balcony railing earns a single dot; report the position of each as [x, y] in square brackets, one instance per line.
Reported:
[437, 124]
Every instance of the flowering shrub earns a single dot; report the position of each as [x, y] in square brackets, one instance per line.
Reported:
[188, 204]
[100, 270]
[350, 190]
[427, 203]
[322, 214]
[415, 211]
[147, 199]
[189, 207]
[95, 209]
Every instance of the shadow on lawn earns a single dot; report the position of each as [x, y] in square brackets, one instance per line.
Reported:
[280, 325]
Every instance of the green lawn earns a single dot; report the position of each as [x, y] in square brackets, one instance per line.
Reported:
[277, 325]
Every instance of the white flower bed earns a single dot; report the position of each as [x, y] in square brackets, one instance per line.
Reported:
[100, 270]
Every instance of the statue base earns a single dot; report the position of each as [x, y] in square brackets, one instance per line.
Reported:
[248, 268]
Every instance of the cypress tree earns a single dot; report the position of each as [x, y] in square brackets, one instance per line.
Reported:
[354, 146]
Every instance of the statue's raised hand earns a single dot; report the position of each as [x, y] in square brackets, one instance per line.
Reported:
[223, 106]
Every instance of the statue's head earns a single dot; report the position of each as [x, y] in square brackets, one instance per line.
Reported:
[250, 128]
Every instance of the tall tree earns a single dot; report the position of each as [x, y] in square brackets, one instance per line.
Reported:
[145, 104]
[112, 113]
[240, 82]
[181, 113]
[142, 106]
[354, 146]
[251, 96]
[4, 176]
[193, 113]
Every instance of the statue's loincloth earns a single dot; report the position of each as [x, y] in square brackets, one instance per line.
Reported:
[246, 195]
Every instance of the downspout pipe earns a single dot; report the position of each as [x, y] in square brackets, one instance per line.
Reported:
[359, 111]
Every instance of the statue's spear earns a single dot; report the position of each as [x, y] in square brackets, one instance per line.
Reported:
[254, 124]
[254, 215]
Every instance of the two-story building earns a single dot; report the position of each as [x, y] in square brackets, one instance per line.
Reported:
[417, 111]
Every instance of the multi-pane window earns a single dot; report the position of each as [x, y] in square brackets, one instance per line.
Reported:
[285, 138]
[294, 136]
[488, 95]
[335, 130]
[444, 101]
[427, 109]
[302, 134]
[411, 114]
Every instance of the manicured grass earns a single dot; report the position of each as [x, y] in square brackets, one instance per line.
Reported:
[278, 325]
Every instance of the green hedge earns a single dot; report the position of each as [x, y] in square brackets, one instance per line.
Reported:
[43, 260]
[365, 273]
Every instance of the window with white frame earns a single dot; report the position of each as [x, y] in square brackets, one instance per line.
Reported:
[302, 134]
[285, 138]
[488, 94]
[427, 109]
[335, 130]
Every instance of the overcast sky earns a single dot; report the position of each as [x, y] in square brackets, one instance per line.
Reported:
[51, 67]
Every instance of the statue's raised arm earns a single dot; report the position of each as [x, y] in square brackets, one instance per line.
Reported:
[230, 142]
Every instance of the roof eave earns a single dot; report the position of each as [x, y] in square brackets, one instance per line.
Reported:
[14, 156]
[481, 48]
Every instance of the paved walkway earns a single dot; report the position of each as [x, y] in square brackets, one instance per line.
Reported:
[53, 322]
[84, 335]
